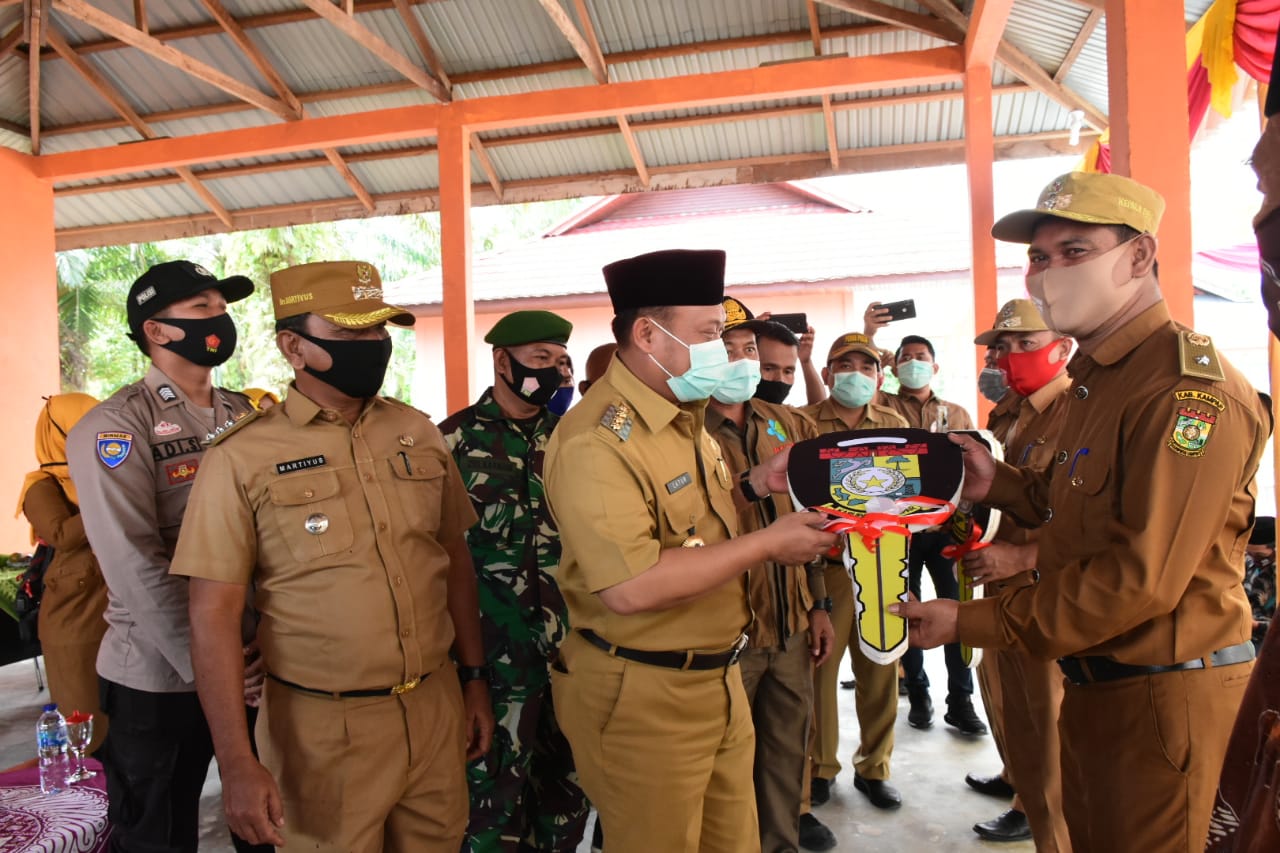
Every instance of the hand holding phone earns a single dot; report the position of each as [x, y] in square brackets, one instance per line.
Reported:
[797, 324]
[902, 310]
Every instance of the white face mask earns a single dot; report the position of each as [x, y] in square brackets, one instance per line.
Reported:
[708, 367]
[853, 390]
[1076, 300]
[740, 381]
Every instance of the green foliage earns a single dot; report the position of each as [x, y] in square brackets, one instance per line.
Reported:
[97, 357]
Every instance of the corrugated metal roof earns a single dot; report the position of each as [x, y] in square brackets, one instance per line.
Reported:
[476, 36]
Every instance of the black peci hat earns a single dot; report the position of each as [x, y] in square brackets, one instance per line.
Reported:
[670, 277]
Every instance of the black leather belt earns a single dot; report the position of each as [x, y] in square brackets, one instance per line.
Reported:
[354, 694]
[1088, 670]
[669, 660]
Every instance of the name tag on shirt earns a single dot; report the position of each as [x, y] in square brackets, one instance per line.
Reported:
[299, 464]
[679, 483]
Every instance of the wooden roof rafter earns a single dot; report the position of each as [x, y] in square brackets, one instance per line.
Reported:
[346, 23]
[828, 115]
[763, 169]
[1021, 64]
[423, 42]
[268, 70]
[121, 105]
[394, 87]
[101, 21]
[1077, 45]
[586, 44]
[35, 22]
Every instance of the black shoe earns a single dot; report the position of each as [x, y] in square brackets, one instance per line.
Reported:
[814, 835]
[597, 837]
[881, 794]
[819, 791]
[992, 786]
[921, 714]
[1010, 826]
[960, 714]
[850, 684]
[902, 687]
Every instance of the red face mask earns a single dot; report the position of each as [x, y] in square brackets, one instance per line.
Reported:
[1028, 372]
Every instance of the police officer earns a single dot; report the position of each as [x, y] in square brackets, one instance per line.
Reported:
[346, 513]
[792, 629]
[853, 375]
[647, 688]
[524, 792]
[133, 459]
[1034, 357]
[1144, 512]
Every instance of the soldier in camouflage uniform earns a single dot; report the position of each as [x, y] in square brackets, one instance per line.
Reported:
[524, 792]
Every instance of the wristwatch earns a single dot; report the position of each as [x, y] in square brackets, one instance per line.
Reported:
[471, 673]
[744, 483]
[822, 604]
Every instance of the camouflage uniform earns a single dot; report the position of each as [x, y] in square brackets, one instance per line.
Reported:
[525, 790]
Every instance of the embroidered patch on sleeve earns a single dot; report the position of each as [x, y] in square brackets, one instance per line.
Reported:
[1191, 431]
[114, 447]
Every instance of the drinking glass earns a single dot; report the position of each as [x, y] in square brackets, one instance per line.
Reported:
[79, 733]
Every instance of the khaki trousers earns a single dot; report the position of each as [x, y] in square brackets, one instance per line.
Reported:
[382, 773]
[993, 701]
[664, 755]
[1031, 698]
[875, 696]
[779, 686]
[1141, 758]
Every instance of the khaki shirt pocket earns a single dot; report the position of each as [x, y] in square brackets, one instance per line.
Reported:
[419, 488]
[684, 513]
[1085, 506]
[311, 515]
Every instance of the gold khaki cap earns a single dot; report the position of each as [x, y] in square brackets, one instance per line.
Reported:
[346, 293]
[1088, 197]
[1016, 315]
[853, 342]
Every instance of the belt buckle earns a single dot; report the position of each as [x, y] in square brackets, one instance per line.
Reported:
[406, 686]
[736, 652]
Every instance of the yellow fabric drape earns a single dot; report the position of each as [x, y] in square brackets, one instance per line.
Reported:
[1217, 52]
[60, 413]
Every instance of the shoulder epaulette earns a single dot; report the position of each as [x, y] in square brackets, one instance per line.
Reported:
[1197, 356]
[249, 417]
[402, 404]
[618, 419]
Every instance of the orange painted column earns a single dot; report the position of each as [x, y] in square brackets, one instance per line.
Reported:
[1147, 62]
[979, 153]
[455, 263]
[29, 349]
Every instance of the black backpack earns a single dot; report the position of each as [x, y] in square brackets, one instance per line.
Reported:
[30, 591]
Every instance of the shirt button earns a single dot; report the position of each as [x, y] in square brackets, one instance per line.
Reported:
[1077, 481]
[368, 477]
[329, 416]
[405, 632]
[1048, 515]
[308, 493]
[399, 581]
[355, 433]
[1082, 392]
[382, 526]
[1040, 440]
[1061, 458]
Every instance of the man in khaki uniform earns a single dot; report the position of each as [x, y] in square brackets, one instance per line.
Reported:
[853, 375]
[133, 459]
[346, 513]
[647, 687]
[1035, 359]
[792, 627]
[1145, 511]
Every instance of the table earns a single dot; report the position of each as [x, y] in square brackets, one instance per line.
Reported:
[74, 821]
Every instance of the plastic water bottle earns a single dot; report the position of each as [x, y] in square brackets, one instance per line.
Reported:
[51, 751]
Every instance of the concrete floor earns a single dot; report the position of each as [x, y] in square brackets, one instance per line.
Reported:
[928, 768]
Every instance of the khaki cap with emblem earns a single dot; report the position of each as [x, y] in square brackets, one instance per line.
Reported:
[346, 293]
[1016, 315]
[1088, 197]
[853, 342]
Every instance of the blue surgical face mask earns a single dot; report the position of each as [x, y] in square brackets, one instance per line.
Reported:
[561, 399]
[914, 374]
[853, 390]
[740, 380]
[708, 367]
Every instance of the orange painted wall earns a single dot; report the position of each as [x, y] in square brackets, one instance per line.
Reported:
[29, 348]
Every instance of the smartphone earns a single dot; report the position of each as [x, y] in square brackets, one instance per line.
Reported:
[904, 310]
[796, 323]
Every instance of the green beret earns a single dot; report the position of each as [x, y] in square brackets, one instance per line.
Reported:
[529, 327]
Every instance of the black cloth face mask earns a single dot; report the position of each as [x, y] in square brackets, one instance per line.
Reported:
[358, 366]
[535, 385]
[772, 391]
[210, 341]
